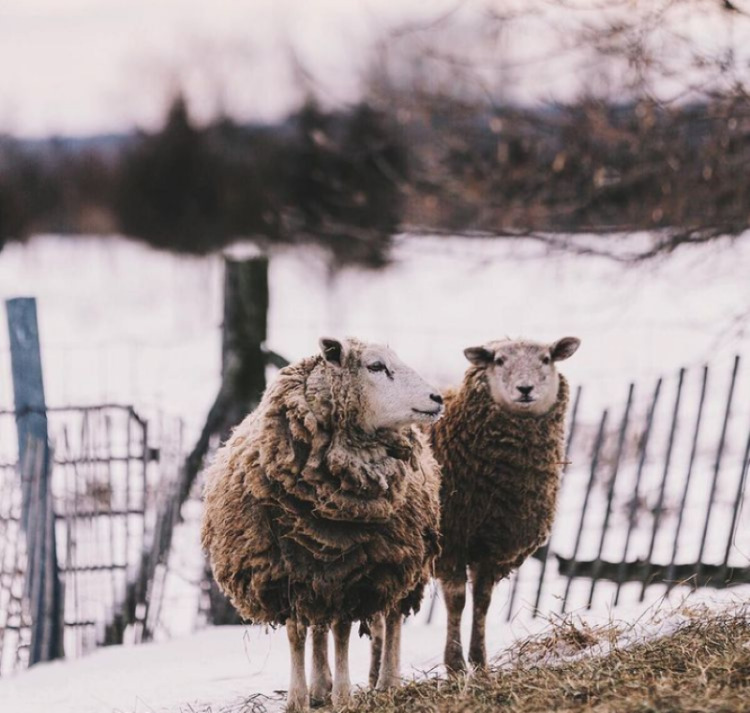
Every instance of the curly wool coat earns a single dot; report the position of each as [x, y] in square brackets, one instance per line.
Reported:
[308, 517]
[501, 474]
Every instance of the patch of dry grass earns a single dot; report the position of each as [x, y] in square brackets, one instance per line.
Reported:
[256, 703]
[703, 666]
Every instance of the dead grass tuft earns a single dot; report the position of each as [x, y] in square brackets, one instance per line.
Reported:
[567, 637]
[702, 666]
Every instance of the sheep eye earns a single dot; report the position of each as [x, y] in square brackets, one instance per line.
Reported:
[377, 366]
[546, 360]
[500, 361]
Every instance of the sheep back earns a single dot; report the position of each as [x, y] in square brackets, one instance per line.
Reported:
[307, 520]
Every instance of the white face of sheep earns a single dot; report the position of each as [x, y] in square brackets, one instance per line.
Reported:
[393, 394]
[521, 375]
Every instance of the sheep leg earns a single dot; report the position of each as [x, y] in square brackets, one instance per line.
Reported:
[390, 671]
[297, 698]
[377, 632]
[341, 683]
[322, 682]
[454, 591]
[482, 582]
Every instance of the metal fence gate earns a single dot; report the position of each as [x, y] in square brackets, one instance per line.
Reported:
[114, 480]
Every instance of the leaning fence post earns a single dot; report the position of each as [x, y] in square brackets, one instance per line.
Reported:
[37, 517]
[737, 509]
[670, 576]
[28, 388]
[717, 470]
[584, 508]
[544, 551]
[648, 566]
[597, 566]
[633, 508]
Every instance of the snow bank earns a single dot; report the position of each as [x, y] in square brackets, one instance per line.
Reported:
[121, 321]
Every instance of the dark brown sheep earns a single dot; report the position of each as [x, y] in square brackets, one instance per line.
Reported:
[322, 508]
[500, 446]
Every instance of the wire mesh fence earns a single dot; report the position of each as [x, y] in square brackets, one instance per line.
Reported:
[113, 480]
[15, 616]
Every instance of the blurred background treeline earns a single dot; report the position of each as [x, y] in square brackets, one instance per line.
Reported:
[656, 138]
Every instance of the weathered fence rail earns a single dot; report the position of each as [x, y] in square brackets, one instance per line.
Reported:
[717, 576]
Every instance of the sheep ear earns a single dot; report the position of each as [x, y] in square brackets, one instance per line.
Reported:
[479, 356]
[564, 348]
[332, 350]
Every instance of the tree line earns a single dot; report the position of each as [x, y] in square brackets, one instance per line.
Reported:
[350, 179]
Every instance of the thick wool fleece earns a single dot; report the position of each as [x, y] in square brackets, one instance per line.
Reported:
[501, 474]
[308, 517]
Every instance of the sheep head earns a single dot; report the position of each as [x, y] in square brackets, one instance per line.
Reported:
[521, 375]
[375, 389]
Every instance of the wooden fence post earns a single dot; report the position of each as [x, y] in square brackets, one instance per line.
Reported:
[243, 358]
[244, 332]
[243, 377]
[34, 464]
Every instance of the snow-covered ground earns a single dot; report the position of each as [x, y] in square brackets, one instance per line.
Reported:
[121, 322]
[220, 666]
[212, 667]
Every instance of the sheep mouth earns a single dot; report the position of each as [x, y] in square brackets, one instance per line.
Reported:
[525, 400]
[431, 414]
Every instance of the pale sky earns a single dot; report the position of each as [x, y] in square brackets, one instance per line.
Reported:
[91, 66]
[80, 66]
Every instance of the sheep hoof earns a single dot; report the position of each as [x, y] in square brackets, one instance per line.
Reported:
[320, 695]
[340, 696]
[387, 682]
[455, 664]
[479, 670]
[297, 703]
[320, 698]
[478, 661]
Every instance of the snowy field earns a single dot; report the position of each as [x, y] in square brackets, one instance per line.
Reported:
[123, 323]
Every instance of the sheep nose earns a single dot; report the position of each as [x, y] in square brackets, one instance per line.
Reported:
[525, 390]
[437, 398]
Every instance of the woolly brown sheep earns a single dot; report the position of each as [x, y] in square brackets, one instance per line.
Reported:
[322, 508]
[500, 446]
